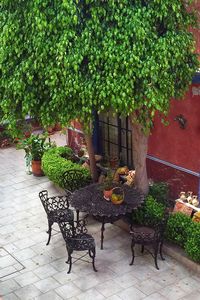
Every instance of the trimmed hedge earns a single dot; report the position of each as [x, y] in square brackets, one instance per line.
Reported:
[149, 213]
[177, 228]
[180, 230]
[186, 233]
[56, 161]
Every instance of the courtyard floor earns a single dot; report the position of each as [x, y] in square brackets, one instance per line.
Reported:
[31, 270]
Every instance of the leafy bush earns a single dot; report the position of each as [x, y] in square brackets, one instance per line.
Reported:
[150, 213]
[192, 244]
[178, 226]
[160, 192]
[56, 161]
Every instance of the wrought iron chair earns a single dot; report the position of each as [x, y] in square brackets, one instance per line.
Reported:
[72, 181]
[57, 210]
[77, 239]
[152, 235]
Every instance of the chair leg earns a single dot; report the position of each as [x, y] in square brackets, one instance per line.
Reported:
[156, 255]
[50, 223]
[142, 249]
[161, 254]
[133, 253]
[69, 260]
[92, 254]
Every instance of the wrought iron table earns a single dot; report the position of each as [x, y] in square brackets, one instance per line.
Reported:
[90, 199]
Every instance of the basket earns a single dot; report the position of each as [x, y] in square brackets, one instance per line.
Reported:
[117, 195]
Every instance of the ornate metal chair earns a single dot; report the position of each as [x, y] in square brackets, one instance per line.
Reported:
[77, 239]
[72, 181]
[146, 235]
[57, 210]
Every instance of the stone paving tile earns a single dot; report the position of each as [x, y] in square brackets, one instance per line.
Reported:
[23, 225]
[26, 278]
[47, 284]
[28, 292]
[91, 295]
[131, 292]
[108, 288]
[51, 295]
[155, 296]
[68, 290]
[10, 296]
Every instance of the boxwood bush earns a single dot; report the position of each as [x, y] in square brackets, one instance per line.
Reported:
[178, 226]
[149, 213]
[192, 244]
[160, 192]
[58, 160]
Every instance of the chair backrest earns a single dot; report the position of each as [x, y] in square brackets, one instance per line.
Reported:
[70, 230]
[73, 180]
[44, 199]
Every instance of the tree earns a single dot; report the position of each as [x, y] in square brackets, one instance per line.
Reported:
[38, 70]
[61, 59]
[137, 55]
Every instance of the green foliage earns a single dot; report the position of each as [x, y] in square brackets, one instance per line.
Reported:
[160, 192]
[178, 227]
[192, 245]
[150, 213]
[56, 161]
[35, 146]
[60, 60]
[108, 182]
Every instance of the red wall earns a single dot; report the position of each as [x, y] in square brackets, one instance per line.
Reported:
[178, 146]
[173, 144]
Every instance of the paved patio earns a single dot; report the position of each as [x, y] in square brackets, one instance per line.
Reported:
[31, 270]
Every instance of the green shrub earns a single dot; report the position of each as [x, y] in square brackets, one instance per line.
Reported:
[160, 192]
[192, 244]
[178, 226]
[56, 161]
[150, 213]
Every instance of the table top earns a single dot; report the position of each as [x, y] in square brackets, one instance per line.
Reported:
[90, 199]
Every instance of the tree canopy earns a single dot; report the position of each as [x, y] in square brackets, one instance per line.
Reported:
[60, 60]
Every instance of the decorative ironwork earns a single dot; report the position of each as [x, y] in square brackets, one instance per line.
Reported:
[90, 199]
[77, 239]
[73, 180]
[57, 210]
[153, 235]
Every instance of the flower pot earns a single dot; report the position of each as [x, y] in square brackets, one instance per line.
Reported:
[50, 130]
[57, 127]
[36, 168]
[107, 194]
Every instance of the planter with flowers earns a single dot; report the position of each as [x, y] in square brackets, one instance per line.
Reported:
[34, 148]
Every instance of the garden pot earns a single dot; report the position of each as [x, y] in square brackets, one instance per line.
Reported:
[36, 168]
[107, 194]
[57, 127]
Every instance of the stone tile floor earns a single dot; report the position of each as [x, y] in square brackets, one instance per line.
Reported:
[31, 270]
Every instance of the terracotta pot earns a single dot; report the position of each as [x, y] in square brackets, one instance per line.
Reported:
[50, 130]
[107, 194]
[57, 127]
[36, 168]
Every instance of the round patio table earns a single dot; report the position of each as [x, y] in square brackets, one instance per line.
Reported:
[90, 199]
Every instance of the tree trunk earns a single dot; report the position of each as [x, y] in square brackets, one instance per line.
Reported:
[90, 148]
[140, 146]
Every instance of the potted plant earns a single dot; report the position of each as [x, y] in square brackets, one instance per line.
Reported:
[108, 186]
[34, 147]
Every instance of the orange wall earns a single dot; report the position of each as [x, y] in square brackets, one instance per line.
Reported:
[175, 145]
